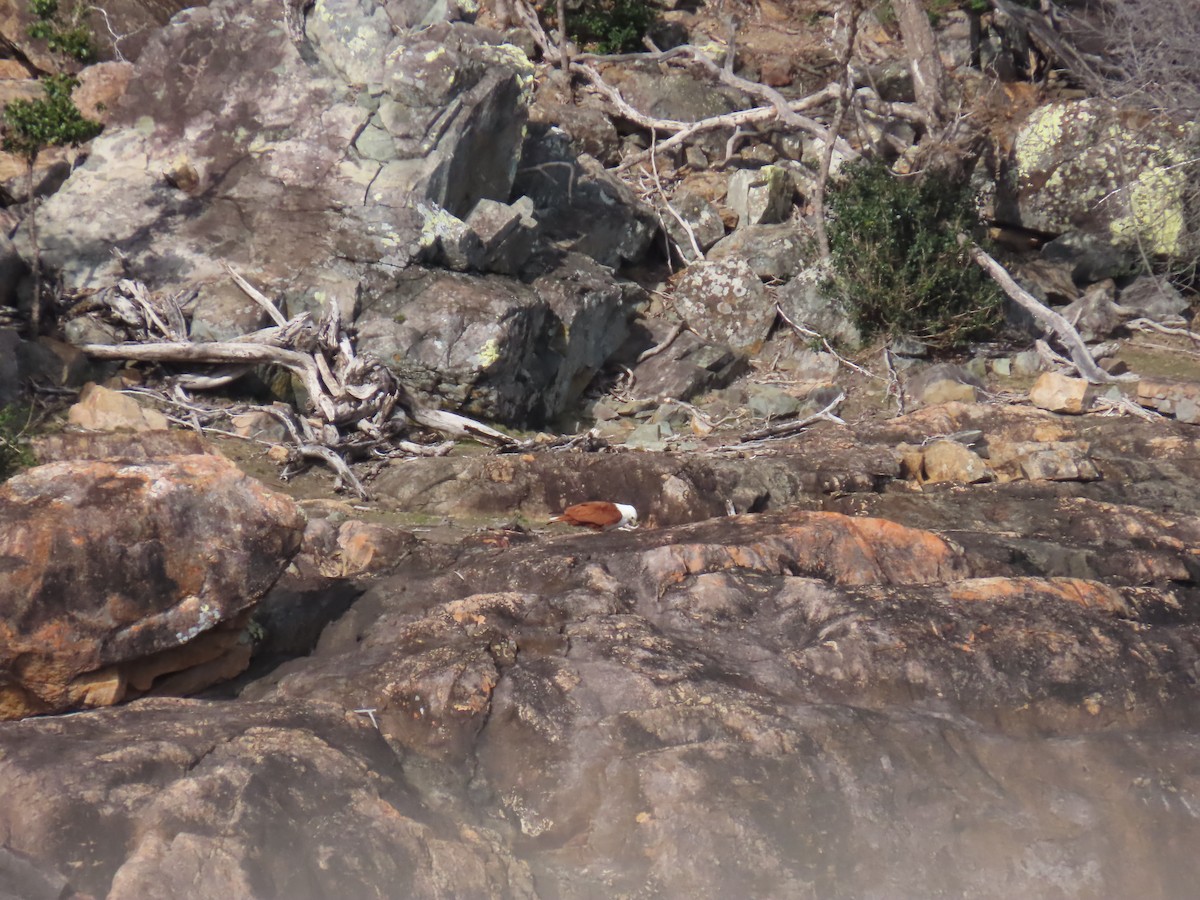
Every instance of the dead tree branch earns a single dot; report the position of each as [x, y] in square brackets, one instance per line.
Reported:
[1048, 319]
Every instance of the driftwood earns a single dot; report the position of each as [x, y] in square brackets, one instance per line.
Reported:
[355, 405]
[1081, 357]
[795, 426]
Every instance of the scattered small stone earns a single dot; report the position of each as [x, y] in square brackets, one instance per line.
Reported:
[1180, 399]
[769, 402]
[1059, 393]
[101, 409]
[1026, 363]
[951, 461]
[649, 436]
[944, 383]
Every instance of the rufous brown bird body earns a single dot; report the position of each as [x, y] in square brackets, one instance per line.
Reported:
[599, 515]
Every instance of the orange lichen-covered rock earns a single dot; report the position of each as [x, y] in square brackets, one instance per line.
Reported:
[106, 562]
[837, 548]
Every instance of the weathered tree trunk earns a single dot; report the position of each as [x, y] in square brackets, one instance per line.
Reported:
[929, 77]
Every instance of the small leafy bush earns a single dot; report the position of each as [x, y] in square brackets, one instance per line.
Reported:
[30, 126]
[14, 454]
[611, 26]
[67, 34]
[896, 259]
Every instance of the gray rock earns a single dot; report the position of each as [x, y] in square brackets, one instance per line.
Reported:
[1083, 165]
[290, 167]
[1026, 363]
[701, 216]
[1091, 257]
[675, 95]
[506, 234]
[591, 315]
[1153, 297]
[774, 252]
[223, 311]
[686, 368]
[766, 401]
[806, 302]
[907, 346]
[581, 206]
[726, 303]
[1096, 314]
[649, 436]
[351, 37]
[696, 158]
[496, 347]
[592, 131]
[760, 196]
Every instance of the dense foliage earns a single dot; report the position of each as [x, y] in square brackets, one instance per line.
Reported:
[32, 125]
[65, 34]
[611, 26]
[897, 261]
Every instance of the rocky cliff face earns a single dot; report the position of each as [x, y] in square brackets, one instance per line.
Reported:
[943, 645]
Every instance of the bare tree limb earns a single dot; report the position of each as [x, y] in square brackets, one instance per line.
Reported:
[1047, 318]
[792, 426]
[845, 86]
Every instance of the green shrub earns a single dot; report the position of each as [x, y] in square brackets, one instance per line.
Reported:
[30, 126]
[14, 454]
[611, 26]
[66, 35]
[897, 262]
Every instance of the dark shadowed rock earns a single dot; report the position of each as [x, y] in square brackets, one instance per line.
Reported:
[122, 570]
[497, 347]
[580, 205]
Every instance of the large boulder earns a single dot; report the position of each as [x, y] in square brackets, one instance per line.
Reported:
[123, 570]
[496, 347]
[1121, 173]
[250, 151]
